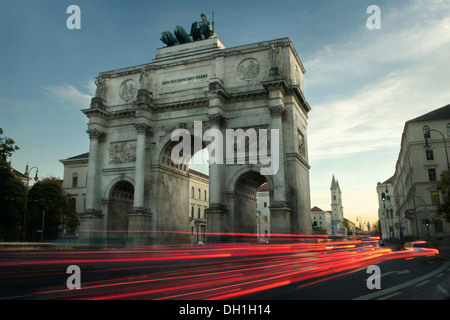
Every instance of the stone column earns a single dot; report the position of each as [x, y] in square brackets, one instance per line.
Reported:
[139, 181]
[216, 215]
[139, 218]
[280, 220]
[92, 218]
[91, 185]
[215, 189]
[279, 196]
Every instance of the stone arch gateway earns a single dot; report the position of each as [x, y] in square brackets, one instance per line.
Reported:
[252, 88]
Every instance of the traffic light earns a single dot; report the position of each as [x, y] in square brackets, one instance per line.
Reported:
[427, 222]
[383, 196]
[315, 224]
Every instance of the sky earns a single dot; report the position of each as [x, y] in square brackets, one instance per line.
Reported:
[362, 84]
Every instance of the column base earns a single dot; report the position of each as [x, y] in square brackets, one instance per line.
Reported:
[280, 219]
[138, 227]
[91, 227]
[217, 230]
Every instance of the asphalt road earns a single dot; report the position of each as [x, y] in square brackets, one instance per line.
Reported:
[422, 278]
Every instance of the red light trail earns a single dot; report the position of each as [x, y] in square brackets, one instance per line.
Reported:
[216, 272]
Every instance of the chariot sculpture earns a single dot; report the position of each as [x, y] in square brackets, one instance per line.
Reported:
[200, 30]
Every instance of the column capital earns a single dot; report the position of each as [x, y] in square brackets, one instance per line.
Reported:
[142, 128]
[95, 134]
[277, 110]
[216, 118]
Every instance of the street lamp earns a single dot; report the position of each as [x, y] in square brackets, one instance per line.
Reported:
[426, 135]
[36, 178]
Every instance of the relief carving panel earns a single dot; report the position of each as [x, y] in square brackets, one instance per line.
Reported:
[122, 152]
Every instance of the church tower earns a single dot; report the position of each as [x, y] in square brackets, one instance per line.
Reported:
[337, 210]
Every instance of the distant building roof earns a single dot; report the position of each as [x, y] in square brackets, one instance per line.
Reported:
[199, 174]
[264, 187]
[388, 180]
[316, 209]
[438, 114]
[19, 174]
[80, 156]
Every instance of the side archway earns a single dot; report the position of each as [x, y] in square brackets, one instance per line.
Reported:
[120, 202]
[242, 199]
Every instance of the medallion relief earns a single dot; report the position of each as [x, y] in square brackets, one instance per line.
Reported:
[128, 90]
[248, 69]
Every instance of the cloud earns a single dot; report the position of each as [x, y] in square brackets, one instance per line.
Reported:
[68, 94]
[366, 88]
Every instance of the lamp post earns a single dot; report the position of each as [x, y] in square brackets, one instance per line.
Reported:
[36, 178]
[426, 135]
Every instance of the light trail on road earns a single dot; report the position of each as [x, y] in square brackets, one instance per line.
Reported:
[215, 272]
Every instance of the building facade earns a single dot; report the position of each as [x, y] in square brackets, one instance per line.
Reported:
[322, 219]
[198, 89]
[408, 200]
[75, 178]
[198, 203]
[263, 211]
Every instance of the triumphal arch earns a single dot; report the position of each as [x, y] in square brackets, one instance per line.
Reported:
[247, 102]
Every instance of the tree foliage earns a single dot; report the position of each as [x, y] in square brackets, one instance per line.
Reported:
[12, 193]
[12, 204]
[50, 210]
[7, 147]
[443, 186]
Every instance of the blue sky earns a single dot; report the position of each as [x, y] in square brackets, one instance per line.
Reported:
[362, 84]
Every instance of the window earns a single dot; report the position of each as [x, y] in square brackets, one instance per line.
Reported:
[198, 213]
[75, 180]
[192, 192]
[435, 198]
[192, 212]
[265, 204]
[199, 194]
[430, 154]
[448, 130]
[432, 175]
[205, 196]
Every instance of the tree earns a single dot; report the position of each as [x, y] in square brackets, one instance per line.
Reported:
[12, 193]
[443, 186]
[12, 204]
[50, 210]
[7, 147]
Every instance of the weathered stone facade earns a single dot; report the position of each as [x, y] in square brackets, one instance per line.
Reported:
[133, 183]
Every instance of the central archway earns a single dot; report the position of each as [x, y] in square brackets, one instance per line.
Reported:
[179, 212]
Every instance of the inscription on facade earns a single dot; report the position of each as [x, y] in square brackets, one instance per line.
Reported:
[201, 76]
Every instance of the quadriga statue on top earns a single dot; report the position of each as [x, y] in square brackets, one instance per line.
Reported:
[200, 30]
